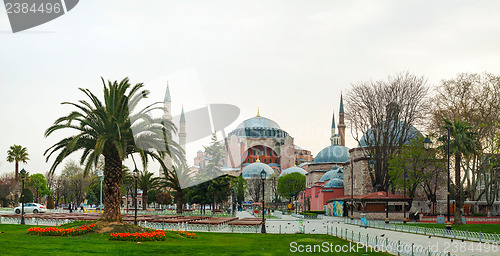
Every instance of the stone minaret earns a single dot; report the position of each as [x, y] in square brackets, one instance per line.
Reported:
[332, 136]
[167, 105]
[182, 130]
[341, 122]
[167, 115]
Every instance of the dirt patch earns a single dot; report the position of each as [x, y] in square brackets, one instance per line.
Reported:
[118, 227]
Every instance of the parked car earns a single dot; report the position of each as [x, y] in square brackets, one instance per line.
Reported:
[31, 207]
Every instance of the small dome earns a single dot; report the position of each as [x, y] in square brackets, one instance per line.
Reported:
[333, 154]
[294, 169]
[335, 173]
[252, 171]
[334, 183]
[258, 122]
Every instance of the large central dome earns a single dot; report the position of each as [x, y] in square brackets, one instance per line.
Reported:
[259, 127]
[258, 122]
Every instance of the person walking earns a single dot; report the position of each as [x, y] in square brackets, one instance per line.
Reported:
[81, 207]
[69, 207]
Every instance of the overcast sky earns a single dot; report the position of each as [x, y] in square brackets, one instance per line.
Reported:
[289, 58]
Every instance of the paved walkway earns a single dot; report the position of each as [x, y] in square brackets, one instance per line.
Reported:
[456, 247]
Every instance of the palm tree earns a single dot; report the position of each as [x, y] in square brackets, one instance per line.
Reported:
[111, 128]
[145, 182]
[17, 153]
[463, 143]
[173, 179]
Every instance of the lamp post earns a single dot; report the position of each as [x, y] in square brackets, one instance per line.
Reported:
[136, 175]
[36, 186]
[101, 176]
[263, 178]
[427, 144]
[23, 176]
[352, 189]
[371, 166]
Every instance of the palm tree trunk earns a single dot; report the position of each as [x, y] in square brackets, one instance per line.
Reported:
[180, 198]
[112, 188]
[458, 192]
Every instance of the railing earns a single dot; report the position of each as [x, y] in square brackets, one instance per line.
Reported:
[34, 221]
[367, 243]
[441, 232]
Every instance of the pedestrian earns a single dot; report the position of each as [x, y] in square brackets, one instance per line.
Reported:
[81, 207]
[69, 207]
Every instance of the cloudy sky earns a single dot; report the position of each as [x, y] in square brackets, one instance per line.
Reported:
[291, 59]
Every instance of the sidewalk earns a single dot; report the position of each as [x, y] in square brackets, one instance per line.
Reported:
[456, 247]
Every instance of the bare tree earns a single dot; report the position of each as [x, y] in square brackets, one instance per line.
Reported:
[474, 98]
[254, 189]
[382, 116]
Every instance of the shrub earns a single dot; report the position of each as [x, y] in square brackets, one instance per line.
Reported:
[50, 202]
[478, 214]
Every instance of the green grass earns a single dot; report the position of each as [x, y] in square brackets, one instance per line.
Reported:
[484, 228]
[15, 241]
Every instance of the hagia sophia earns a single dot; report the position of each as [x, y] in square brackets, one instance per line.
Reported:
[336, 178]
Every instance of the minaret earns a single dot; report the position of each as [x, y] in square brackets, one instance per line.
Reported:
[167, 105]
[332, 136]
[167, 115]
[182, 130]
[341, 121]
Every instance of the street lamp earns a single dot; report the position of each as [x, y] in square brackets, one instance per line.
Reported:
[101, 176]
[448, 222]
[36, 186]
[263, 178]
[23, 176]
[136, 175]
[352, 190]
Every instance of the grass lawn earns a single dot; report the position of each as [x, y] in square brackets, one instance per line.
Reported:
[485, 228]
[14, 240]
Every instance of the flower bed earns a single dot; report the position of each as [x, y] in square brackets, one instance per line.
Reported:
[155, 235]
[53, 231]
[186, 234]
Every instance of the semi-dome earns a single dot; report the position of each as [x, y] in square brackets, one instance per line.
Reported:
[253, 170]
[410, 133]
[294, 169]
[335, 173]
[334, 183]
[333, 154]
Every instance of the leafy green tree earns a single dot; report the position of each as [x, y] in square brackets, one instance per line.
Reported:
[38, 182]
[291, 184]
[413, 163]
[163, 198]
[17, 153]
[152, 196]
[105, 128]
[240, 190]
[92, 198]
[463, 143]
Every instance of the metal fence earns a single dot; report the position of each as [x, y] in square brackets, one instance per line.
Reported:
[34, 221]
[441, 232]
[372, 243]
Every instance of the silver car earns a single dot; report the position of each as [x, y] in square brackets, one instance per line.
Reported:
[31, 207]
